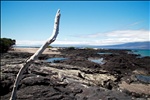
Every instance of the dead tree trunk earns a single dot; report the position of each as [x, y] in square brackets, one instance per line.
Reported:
[36, 55]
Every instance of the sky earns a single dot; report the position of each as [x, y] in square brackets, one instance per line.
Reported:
[81, 22]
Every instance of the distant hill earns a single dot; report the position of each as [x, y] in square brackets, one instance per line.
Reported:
[131, 45]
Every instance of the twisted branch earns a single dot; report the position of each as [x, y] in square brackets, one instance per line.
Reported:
[36, 55]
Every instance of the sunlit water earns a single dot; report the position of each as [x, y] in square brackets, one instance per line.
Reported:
[143, 78]
[102, 53]
[98, 61]
[52, 60]
[142, 53]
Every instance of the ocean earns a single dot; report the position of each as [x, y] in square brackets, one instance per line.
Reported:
[143, 53]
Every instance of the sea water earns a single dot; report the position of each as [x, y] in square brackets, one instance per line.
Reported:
[98, 61]
[103, 53]
[52, 60]
[142, 53]
[143, 78]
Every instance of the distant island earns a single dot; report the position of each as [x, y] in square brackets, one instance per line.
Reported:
[130, 45]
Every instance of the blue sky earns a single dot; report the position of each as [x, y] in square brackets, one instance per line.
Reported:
[82, 22]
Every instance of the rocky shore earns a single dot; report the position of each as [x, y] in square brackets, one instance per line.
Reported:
[84, 74]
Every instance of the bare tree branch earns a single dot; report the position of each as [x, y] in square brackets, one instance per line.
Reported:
[36, 55]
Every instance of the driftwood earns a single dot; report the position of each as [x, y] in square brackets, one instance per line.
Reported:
[36, 55]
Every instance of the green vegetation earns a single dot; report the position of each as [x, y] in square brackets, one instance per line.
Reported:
[88, 48]
[49, 46]
[71, 48]
[6, 44]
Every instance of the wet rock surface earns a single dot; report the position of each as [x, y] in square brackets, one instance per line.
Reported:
[77, 78]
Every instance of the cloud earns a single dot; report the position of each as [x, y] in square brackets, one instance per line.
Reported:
[107, 38]
[28, 42]
[120, 36]
[37, 43]
[133, 24]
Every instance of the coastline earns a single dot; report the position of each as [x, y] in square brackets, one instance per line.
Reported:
[77, 77]
[33, 50]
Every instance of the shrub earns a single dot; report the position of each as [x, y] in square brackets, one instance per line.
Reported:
[49, 46]
[88, 48]
[71, 48]
[6, 44]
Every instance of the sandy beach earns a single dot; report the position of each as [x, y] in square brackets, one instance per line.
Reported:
[33, 50]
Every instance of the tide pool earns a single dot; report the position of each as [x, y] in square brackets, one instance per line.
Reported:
[143, 78]
[98, 61]
[52, 60]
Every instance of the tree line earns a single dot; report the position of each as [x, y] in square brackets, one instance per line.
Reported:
[6, 44]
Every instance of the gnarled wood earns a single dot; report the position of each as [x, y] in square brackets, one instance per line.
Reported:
[36, 55]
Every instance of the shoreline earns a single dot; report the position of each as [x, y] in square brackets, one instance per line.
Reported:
[33, 50]
[53, 50]
[77, 77]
